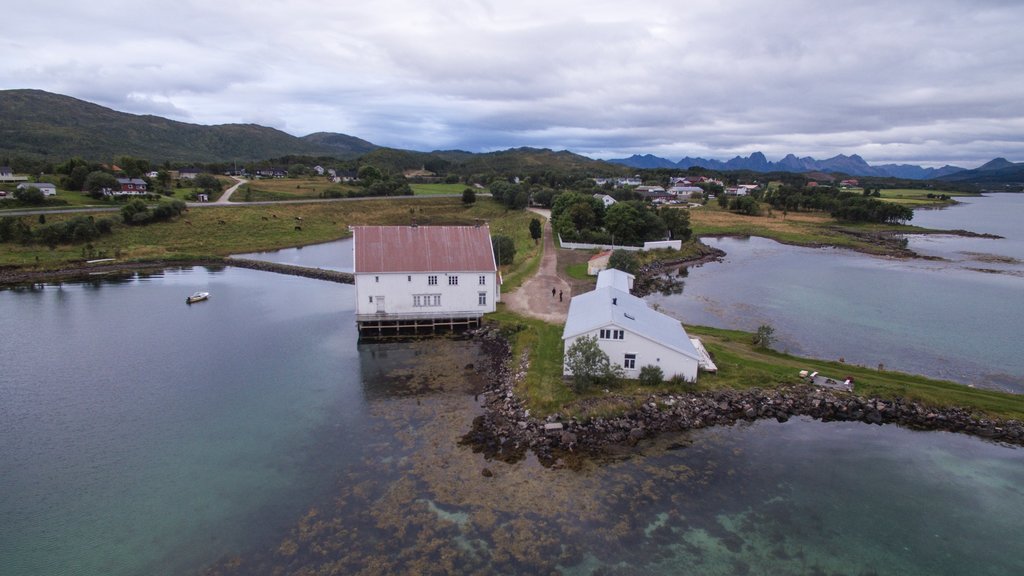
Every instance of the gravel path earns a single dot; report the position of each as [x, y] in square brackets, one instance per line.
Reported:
[534, 298]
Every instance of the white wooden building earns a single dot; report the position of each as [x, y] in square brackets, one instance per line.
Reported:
[632, 334]
[423, 277]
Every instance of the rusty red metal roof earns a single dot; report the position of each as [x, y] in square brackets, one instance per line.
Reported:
[422, 249]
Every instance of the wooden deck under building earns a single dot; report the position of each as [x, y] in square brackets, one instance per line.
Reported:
[399, 325]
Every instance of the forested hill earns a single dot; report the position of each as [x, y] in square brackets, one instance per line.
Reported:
[41, 124]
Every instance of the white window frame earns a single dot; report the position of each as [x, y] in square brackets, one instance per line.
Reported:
[629, 362]
[432, 280]
[453, 280]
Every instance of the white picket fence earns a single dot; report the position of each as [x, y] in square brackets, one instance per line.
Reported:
[673, 244]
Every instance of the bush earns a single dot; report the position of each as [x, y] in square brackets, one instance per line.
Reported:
[468, 196]
[651, 375]
[137, 213]
[30, 195]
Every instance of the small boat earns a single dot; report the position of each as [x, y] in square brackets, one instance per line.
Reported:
[197, 297]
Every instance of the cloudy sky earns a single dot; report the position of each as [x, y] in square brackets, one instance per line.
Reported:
[919, 81]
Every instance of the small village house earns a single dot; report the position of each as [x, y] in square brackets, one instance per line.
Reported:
[45, 187]
[423, 277]
[130, 187]
[632, 334]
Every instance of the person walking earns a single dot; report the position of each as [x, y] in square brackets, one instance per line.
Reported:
[559, 295]
[552, 292]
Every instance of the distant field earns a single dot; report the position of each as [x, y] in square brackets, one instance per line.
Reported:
[436, 189]
[914, 198]
[286, 189]
[798, 228]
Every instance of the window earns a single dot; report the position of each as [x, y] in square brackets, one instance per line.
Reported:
[432, 280]
[482, 298]
[376, 278]
[483, 280]
[453, 280]
[609, 334]
[426, 300]
[629, 363]
[605, 334]
[410, 278]
[618, 334]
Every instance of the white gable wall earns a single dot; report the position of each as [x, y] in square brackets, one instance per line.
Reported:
[399, 291]
[648, 352]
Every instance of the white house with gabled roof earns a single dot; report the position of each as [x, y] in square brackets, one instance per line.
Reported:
[631, 333]
[413, 276]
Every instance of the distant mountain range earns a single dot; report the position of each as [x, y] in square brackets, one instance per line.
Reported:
[39, 124]
[853, 165]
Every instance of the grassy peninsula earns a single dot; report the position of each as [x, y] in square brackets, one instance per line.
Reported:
[741, 365]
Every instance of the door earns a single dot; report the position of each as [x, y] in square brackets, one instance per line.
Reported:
[380, 304]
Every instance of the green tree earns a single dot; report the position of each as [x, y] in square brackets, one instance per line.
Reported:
[207, 184]
[677, 221]
[97, 182]
[625, 222]
[369, 174]
[163, 181]
[764, 336]
[75, 180]
[536, 230]
[504, 249]
[587, 363]
[624, 260]
[468, 196]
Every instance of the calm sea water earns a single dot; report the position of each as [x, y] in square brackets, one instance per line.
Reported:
[251, 434]
[142, 435]
[957, 319]
[329, 256]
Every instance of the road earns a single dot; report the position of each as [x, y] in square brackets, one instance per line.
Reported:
[226, 196]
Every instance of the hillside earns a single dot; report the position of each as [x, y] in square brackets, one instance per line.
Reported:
[999, 171]
[41, 124]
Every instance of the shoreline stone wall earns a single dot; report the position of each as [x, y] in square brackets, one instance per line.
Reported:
[507, 430]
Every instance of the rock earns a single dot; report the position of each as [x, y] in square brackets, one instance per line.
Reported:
[486, 473]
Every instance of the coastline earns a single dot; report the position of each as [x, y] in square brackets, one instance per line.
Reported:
[17, 277]
[507, 430]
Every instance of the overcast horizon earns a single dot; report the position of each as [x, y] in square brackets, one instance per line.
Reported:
[915, 82]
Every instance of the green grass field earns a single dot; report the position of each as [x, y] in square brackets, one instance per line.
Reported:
[276, 189]
[915, 198]
[216, 231]
[437, 189]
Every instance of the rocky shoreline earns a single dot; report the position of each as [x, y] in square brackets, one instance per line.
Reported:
[507, 430]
